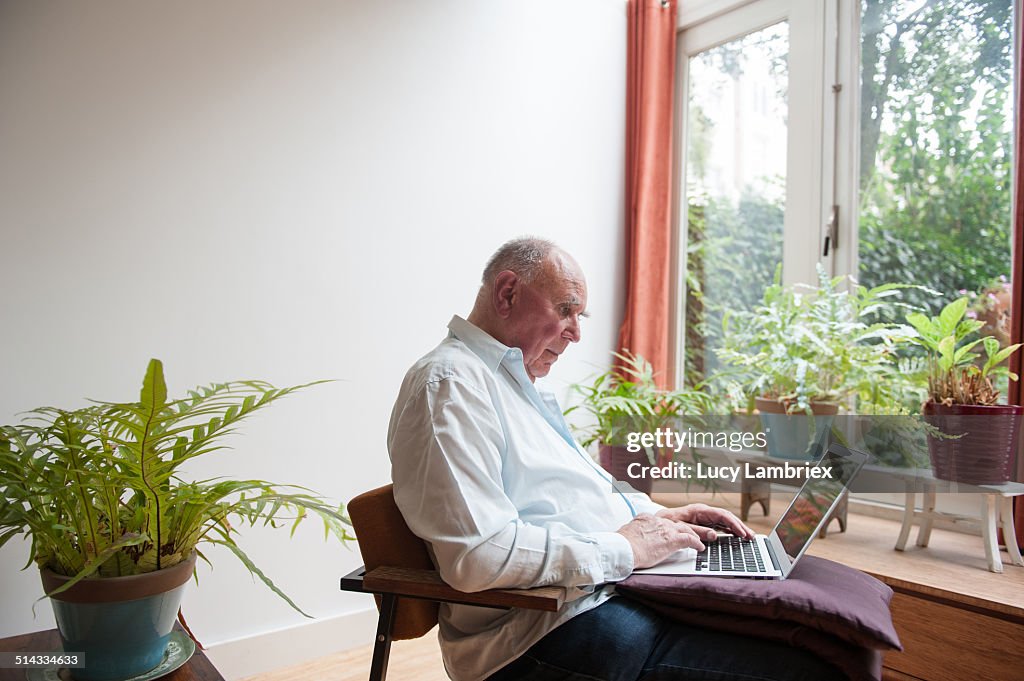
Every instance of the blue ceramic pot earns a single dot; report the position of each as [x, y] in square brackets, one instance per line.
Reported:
[120, 624]
[796, 436]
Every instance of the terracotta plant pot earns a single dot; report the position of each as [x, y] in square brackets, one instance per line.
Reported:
[120, 624]
[616, 460]
[984, 447]
[790, 436]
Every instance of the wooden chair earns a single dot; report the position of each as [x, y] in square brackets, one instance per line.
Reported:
[398, 571]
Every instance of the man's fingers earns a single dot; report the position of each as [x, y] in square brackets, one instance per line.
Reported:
[689, 537]
[727, 520]
[739, 528]
[692, 541]
[705, 533]
[736, 525]
[699, 531]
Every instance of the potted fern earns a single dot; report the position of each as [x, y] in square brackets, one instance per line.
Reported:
[979, 437]
[624, 400]
[804, 353]
[115, 531]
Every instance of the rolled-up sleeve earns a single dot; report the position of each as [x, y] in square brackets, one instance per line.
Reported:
[447, 448]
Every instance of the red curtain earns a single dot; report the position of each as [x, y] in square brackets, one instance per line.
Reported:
[1016, 395]
[650, 79]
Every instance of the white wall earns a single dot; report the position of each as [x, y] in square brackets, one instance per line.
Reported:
[288, 191]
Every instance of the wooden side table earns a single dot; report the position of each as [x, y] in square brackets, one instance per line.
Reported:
[995, 512]
[198, 668]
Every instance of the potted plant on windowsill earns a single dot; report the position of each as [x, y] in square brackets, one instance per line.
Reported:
[115, 531]
[623, 400]
[804, 353]
[979, 437]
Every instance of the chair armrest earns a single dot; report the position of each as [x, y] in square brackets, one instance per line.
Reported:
[427, 584]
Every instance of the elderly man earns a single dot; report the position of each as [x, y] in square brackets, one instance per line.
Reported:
[486, 471]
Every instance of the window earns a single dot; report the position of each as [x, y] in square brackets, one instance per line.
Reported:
[736, 195]
[872, 136]
[935, 151]
[750, 90]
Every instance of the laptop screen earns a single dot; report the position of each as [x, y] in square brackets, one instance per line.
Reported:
[797, 526]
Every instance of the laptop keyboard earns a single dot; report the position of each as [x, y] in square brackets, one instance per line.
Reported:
[733, 554]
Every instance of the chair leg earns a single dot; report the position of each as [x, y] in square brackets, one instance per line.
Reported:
[382, 644]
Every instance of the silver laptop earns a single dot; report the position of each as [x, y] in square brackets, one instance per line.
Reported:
[773, 556]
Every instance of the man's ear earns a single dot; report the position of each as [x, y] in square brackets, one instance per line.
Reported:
[505, 293]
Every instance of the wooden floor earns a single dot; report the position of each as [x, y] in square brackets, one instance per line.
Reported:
[952, 561]
[418, 660]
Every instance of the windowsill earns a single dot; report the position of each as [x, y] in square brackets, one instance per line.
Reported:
[953, 566]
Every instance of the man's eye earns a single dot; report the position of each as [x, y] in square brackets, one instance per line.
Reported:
[565, 310]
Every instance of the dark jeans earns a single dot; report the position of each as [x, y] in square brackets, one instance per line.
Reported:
[621, 640]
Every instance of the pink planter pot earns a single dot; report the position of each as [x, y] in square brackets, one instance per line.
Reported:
[985, 452]
[616, 460]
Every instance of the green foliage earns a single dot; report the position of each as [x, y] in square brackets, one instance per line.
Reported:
[733, 238]
[812, 344]
[898, 440]
[97, 488]
[626, 399]
[956, 373]
[732, 253]
[936, 147]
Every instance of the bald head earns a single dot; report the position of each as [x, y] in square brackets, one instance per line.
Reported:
[532, 297]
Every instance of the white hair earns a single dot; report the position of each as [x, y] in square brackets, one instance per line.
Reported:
[524, 255]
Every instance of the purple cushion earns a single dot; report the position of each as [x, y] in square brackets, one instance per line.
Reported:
[823, 607]
[856, 663]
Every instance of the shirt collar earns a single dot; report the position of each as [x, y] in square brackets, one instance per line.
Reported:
[483, 345]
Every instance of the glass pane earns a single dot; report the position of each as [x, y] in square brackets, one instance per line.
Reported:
[736, 183]
[936, 124]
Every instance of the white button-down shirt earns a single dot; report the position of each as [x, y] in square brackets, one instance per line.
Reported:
[486, 471]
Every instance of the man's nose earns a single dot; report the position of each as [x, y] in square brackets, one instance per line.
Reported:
[572, 332]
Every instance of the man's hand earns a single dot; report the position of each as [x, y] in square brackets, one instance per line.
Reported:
[655, 538]
[705, 520]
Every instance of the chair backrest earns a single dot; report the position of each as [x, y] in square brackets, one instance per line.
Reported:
[385, 539]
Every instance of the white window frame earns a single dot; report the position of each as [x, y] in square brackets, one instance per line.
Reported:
[809, 182]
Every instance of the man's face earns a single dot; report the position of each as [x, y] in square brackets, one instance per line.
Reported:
[547, 315]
